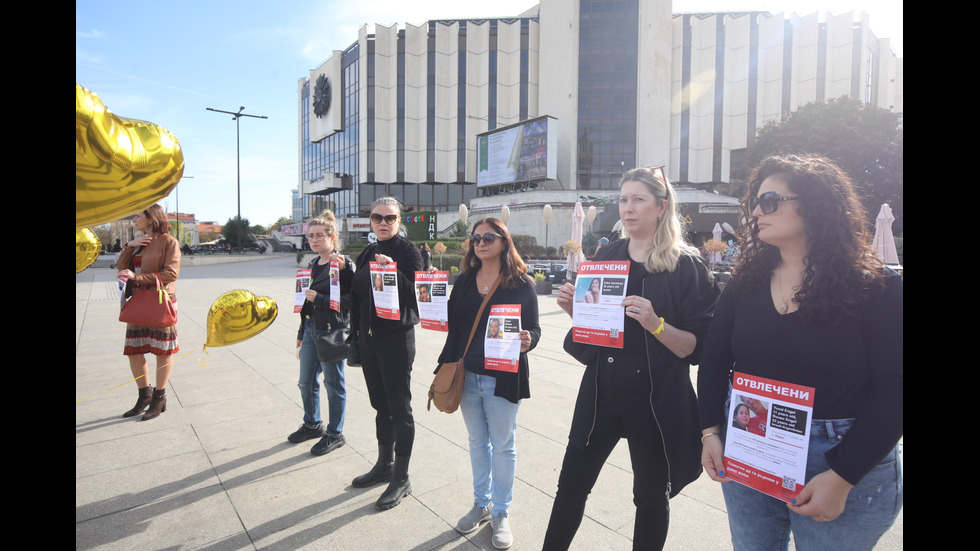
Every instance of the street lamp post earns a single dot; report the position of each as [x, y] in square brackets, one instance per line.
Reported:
[238, 155]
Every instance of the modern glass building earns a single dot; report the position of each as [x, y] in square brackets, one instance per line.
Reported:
[629, 83]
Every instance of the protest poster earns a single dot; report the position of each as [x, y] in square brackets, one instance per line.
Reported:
[768, 435]
[384, 285]
[431, 290]
[303, 278]
[598, 316]
[502, 343]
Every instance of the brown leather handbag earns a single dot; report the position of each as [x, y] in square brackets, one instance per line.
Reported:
[150, 307]
[447, 388]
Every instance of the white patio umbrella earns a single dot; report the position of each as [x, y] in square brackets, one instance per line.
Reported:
[578, 219]
[716, 235]
[884, 241]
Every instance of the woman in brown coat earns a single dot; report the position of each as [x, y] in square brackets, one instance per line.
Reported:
[157, 253]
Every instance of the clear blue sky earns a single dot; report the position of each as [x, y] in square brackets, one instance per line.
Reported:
[166, 63]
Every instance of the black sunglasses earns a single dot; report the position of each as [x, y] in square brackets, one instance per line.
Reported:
[377, 218]
[768, 202]
[488, 237]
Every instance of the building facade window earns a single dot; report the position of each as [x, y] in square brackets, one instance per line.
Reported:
[608, 43]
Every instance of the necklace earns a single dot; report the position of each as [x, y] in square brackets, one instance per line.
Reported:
[784, 307]
[487, 286]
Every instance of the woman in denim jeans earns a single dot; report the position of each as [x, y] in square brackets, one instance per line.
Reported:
[809, 304]
[491, 396]
[317, 318]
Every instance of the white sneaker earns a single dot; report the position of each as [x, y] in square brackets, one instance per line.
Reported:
[473, 519]
[502, 538]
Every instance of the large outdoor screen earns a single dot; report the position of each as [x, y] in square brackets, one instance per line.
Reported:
[518, 153]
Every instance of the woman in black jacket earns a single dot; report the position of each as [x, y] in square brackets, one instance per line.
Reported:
[492, 393]
[643, 391]
[315, 319]
[387, 351]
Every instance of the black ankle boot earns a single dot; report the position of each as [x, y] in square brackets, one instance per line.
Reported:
[146, 396]
[399, 486]
[158, 405]
[381, 471]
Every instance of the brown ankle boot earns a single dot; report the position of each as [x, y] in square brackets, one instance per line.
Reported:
[158, 405]
[146, 395]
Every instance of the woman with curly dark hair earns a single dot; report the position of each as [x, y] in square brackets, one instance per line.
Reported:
[809, 304]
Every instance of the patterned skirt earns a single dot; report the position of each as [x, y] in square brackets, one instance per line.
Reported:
[159, 341]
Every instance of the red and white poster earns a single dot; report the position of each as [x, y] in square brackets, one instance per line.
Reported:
[303, 278]
[433, 299]
[598, 316]
[768, 435]
[384, 285]
[502, 343]
[335, 285]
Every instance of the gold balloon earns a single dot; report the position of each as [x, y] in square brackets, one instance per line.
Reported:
[87, 247]
[237, 316]
[122, 166]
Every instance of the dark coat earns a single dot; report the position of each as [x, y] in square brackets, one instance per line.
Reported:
[511, 386]
[686, 299]
[363, 315]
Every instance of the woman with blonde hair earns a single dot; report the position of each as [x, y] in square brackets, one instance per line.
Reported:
[316, 319]
[643, 391]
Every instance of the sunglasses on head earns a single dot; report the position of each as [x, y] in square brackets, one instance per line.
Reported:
[488, 237]
[768, 202]
[377, 218]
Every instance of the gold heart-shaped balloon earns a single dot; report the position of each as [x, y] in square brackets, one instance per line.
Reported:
[237, 316]
[87, 247]
[122, 166]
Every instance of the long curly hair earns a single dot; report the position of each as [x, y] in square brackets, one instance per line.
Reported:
[512, 267]
[841, 270]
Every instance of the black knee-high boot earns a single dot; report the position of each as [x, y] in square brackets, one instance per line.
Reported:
[399, 486]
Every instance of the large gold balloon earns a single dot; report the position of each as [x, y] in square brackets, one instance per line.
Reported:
[87, 247]
[122, 166]
[237, 316]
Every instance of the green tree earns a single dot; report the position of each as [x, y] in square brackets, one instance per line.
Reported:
[864, 140]
[526, 245]
[459, 229]
[180, 233]
[231, 230]
[278, 224]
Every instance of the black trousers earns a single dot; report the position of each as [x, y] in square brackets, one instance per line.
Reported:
[622, 411]
[387, 365]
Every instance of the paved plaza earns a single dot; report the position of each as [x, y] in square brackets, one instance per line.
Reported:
[215, 472]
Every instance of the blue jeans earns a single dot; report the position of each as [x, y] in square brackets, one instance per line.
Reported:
[760, 522]
[310, 368]
[491, 422]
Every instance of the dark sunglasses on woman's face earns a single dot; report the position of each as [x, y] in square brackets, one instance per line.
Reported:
[768, 202]
[377, 218]
[488, 237]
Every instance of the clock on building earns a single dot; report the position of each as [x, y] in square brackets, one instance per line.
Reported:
[321, 96]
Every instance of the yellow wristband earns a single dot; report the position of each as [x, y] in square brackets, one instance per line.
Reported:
[659, 329]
